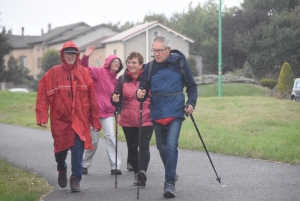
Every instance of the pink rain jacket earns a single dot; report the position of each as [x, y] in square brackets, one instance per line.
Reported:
[104, 83]
[69, 92]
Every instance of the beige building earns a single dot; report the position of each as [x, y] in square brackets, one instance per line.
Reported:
[139, 38]
[30, 49]
[107, 41]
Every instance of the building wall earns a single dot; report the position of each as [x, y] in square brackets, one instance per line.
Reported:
[36, 52]
[176, 42]
[17, 54]
[138, 43]
[97, 58]
[117, 49]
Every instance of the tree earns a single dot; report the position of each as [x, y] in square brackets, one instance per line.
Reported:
[126, 25]
[156, 17]
[17, 73]
[201, 24]
[271, 43]
[248, 72]
[50, 58]
[286, 79]
[237, 24]
[271, 6]
[5, 48]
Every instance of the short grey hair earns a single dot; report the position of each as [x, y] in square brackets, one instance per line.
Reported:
[163, 39]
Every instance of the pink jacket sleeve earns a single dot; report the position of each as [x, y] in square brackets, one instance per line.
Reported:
[93, 70]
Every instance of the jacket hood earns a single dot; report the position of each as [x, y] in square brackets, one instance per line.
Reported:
[177, 53]
[67, 45]
[109, 59]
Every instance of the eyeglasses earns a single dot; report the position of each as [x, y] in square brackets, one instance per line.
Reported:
[158, 51]
[131, 62]
[116, 62]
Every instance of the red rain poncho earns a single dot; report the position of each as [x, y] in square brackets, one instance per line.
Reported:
[69, 92]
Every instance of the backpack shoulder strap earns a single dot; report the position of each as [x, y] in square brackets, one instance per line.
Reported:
[122, 78]
[150, 69]
[181, 64]
[121, 82]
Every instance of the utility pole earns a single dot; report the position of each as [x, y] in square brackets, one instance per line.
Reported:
[220, 52]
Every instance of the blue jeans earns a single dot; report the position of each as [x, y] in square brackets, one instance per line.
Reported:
[76, 158]
[167, 143]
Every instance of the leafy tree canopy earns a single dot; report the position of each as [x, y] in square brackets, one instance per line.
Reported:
[5, 48]
[50, 58]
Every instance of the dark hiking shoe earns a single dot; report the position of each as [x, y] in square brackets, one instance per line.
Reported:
[62, 179]
[74, 184]
[114, 172]
[142, 177]
[84, 170]
[129, 167]
[169, 190]
[135, 183]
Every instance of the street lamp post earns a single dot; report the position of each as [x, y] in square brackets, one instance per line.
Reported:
[220, 52]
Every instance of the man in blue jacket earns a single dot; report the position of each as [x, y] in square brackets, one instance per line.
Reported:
[166, 80]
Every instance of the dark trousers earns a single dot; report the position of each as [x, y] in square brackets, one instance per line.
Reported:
[132, 139]
[76, 158]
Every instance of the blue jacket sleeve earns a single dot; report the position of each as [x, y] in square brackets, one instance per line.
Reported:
[191, 86]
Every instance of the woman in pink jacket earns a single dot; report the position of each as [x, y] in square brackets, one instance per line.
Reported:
[125, 93]
[104, 83]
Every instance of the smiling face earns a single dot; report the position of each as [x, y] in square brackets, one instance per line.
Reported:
[160, 52]
[70, 58]
[115, 65]
[134, 66]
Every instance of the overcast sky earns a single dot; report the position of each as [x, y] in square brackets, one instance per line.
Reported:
[35, 15]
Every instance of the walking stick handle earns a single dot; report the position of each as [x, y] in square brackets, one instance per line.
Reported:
[186, 114]
[141, 99]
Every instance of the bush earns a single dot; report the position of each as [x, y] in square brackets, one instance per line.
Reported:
[286, 79]
[248, 72]
[236, 72]
[268, 82]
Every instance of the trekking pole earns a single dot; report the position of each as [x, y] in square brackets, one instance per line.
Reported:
[140, 133]
[218, 178]
[116, 181]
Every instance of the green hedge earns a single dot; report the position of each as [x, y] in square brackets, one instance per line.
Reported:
[268, 82]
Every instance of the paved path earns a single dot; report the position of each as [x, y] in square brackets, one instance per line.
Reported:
[242, 179]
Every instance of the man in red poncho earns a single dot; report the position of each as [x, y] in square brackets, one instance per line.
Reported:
[69, 92]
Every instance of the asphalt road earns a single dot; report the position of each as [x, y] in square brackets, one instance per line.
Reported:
[242, 179]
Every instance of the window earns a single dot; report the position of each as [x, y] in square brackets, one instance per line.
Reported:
[115, 51]
[155, 33]
[298, 84]
[39, 62]
[23, 61]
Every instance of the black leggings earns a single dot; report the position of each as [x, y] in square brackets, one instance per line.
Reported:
[132, 138]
